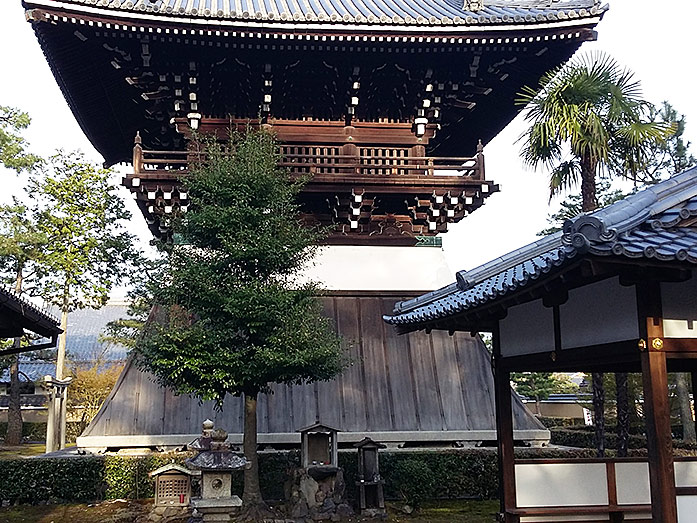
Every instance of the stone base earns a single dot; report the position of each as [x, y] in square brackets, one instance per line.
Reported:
[318, 495]
[215, 509]
[163, 514]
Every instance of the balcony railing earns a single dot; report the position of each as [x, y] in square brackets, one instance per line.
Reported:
[324, 161]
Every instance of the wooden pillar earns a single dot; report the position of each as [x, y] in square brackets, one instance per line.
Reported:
[504, 432]
[656, 407]
[659, 442]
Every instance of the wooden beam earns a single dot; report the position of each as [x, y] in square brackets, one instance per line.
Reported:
[504, 431]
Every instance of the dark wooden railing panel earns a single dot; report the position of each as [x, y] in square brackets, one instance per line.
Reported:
[316, 159]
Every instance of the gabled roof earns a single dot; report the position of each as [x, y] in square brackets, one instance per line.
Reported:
[18, 315]
[496, 14]
[318, 427]
[656, 223]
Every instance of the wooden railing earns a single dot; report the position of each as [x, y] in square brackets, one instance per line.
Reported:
[324, 160]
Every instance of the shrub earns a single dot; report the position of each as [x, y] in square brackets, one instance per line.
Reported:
[413, 480]
[409, 475]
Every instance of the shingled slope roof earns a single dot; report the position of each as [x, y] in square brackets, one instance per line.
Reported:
[492, 14]
[656, 223]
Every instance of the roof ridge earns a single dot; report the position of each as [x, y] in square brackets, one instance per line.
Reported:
[579, 233]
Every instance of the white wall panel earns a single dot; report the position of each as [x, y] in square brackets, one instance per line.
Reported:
[561, 484]
[632, 483]
[603, 312]
[680, 308]
[527, 329]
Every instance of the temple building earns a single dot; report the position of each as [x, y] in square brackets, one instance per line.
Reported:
[387, 105]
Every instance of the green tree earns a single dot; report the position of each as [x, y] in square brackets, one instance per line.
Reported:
[539, 385]
[20, 246]
[233, 318]
[584, 117]
[88, 250]
[12, 145]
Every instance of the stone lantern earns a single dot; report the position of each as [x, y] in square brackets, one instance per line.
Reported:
[172, 485]
[319, 446]
[216, 462]
[370, 484]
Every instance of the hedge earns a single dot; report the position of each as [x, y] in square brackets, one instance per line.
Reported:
[456, 473]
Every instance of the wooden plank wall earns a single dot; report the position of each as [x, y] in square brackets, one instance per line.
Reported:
[416, 382]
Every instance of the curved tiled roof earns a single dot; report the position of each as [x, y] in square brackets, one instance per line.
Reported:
[650, 224]
[477, 13]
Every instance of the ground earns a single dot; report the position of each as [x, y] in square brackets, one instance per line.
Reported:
[25, 450]
[120, 511]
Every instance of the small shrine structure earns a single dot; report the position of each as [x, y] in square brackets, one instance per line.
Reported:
[615, 291]
[387, 107]
[371, 498]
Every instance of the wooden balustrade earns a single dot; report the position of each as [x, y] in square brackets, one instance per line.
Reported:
[323, 160]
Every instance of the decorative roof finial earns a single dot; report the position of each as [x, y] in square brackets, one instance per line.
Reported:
[473, 5]
[137, 138]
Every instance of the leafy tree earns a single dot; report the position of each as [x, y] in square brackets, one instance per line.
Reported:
[92, 383]
[539, 385]
[571, 206]
[20, 246]
[588, 116]
[88, 250]
[232, 317]
[12, 144]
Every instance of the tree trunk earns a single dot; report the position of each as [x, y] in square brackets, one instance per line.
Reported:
[599, 412]
[588, 196]
[622, 413]
[252, 491]
[688, 425]
[14, 412]
[62, 339]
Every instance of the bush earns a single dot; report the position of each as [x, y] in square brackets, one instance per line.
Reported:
[409, 475]
[413, 480]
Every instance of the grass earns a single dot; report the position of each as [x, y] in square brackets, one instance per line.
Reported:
[22, 451]
[449, 511]
[122, 511]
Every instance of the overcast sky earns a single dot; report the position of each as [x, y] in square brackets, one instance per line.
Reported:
[652, 38]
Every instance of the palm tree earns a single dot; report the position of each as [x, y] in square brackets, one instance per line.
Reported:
[588, 117]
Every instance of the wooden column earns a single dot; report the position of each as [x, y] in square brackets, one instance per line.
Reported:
[659, 442]
[504, 431]
[656, 406]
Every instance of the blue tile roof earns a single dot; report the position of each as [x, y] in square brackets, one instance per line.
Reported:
[655, 223]
[338, 12]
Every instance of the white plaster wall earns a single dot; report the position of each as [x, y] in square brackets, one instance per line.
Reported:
[561, 484]
[383, 268]
[632, 483]
[685, 473]
[679, 302]
[527, 329]
[602, 312]
[687, 509]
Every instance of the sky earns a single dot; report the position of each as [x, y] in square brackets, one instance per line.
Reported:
[650, 38]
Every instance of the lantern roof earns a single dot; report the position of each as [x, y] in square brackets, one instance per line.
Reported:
[335, 15]
[318, 427]
[369, 444]
[653, 225]
[172, 467]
